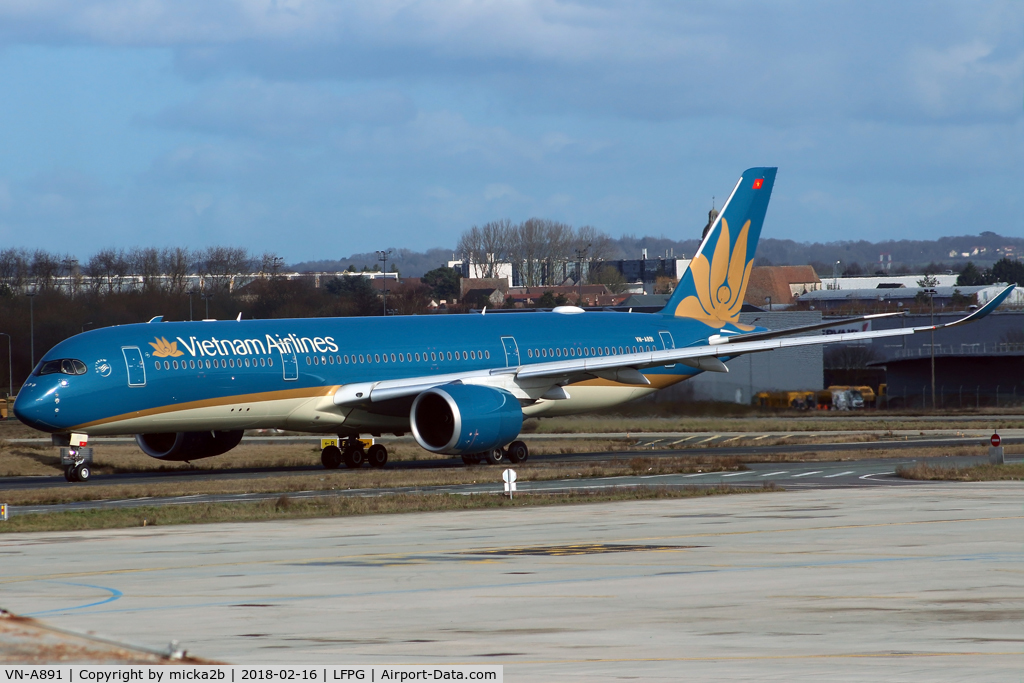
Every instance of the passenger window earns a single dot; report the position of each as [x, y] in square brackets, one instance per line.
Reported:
[472, 355]
[392, 358]
[401, 357]
[175, 364]
[270, 362]
[487, 355]
[157, 364]
[207, 364]
[433, 356]
[417, 357]
[376, 358]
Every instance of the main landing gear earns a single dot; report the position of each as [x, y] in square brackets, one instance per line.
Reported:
[353, 453]
[515, 453]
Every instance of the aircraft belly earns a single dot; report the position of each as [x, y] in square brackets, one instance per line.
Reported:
[272, 414]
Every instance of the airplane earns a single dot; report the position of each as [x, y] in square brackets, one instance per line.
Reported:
[461, 384]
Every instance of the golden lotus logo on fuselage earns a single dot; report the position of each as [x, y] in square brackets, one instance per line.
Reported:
[720, 283]
[164, 349]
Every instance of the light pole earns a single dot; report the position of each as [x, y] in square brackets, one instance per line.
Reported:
[31, 294]
[382, 255]
[835, 275]
[206, 296]
[931, 299]
[70, 266]
[580, 255]
[10, 370]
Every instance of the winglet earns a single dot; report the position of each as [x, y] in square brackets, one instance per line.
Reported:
[156, 319]
[984, 310]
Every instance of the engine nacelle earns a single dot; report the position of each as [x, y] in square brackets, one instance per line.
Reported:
[465, 418]
[187, 445]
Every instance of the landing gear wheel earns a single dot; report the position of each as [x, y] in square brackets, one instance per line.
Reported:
[377, 455]
[82, 472]
[354, 457]
[470, 459]
[331, 457]
[496, 456]
[69, 473]
[517, 452]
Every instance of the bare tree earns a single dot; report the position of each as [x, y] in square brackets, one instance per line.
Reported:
[15, 269]
[177, 263]
[145, 264]
[45, 268]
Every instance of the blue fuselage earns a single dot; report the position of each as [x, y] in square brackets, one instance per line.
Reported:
[135, 373]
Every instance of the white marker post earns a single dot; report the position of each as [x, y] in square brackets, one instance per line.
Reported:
[509, 476]
[3, 512]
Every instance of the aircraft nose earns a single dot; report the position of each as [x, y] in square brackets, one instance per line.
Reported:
[38, 405]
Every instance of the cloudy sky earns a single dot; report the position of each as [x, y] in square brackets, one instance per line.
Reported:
[318, 129]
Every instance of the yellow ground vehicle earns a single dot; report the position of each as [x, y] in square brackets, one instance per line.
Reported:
[799, 400]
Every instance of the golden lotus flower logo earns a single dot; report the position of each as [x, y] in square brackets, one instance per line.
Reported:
[163, 348]
[720, 283]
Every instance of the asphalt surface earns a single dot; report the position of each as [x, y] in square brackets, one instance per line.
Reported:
[903, 583]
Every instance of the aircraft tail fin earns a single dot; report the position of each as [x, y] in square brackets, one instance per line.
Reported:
[712, 288]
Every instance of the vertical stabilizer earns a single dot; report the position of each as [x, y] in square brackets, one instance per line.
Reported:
[712, 288]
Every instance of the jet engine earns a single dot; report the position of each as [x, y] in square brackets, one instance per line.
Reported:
[465, 418]
[187, 445]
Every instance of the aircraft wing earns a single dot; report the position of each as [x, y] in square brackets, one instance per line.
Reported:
[536, 379]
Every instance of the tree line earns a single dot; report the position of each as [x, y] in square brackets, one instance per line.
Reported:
[1003, 270]
[541, 251]
[117, 270]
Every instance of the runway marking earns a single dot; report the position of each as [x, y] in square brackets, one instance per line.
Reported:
[772, 474]
[807, 474]
[876, 474]
[114, 595]
[703, 474]
[682, 440]
[763, 436]
[710, 438]
[841, 474]
[734, 438]
[736, 474]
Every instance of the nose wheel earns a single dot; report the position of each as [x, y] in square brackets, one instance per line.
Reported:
[77, 473]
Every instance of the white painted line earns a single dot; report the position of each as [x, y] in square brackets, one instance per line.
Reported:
[702, 474]
[710, 438]
[807, 474]
[651, 443]
[734, 438]
[763, 436]
[841, 474]
[876, 474]
[682, 440]
[772, 474]
[736, 474]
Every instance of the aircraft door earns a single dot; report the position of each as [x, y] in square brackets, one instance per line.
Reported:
[511, 352]
[668, 343]
[289, 362]
[136, 366]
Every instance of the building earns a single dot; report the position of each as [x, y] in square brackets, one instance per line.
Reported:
[778, 286]
[890, 299]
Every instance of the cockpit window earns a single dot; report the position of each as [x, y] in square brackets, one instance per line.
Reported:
[66, 366]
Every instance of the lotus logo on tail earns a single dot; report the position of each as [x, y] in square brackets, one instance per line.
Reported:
[163, 348]
[720, 283]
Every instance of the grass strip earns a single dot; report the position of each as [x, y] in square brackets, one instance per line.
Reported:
[983, 472]
[370, 479]
[341, 506]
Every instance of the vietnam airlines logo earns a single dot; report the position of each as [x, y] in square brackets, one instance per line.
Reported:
[163, 348]
[720, 283]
